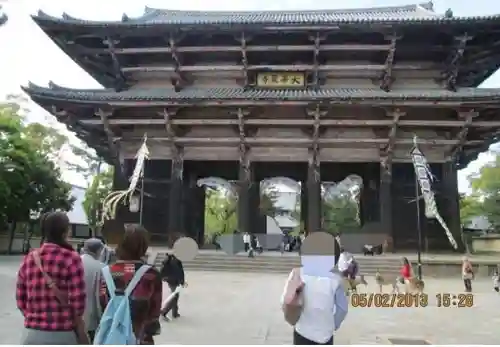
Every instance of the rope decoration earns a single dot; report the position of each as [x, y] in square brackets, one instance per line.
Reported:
[425, 178]
[111, 202]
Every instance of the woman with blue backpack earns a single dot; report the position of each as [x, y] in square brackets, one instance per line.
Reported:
[131, 294]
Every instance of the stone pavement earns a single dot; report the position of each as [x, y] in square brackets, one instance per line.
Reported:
[230, 308]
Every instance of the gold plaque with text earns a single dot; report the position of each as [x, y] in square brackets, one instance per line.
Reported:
[281, 79]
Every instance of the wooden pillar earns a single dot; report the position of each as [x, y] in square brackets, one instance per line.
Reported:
[175, 221]
[314, 215]
[313, 194]
[452, 203]
[385, 199]
[245, 184]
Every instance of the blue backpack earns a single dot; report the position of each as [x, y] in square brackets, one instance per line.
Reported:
[115, 327]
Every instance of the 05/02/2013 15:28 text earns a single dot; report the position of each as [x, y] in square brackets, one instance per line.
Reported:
[408, 300]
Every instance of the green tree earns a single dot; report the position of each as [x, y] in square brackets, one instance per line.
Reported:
[268, 199]
[92, 164]
[101, 186]
[221, 210]
[470, 207]
[340, 213]
[29, 180]
[486, 186]
[48, 140]
[220, 213]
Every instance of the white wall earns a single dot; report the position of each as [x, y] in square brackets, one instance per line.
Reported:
[77, 214]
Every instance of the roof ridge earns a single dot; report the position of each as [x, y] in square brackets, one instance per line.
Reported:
[411, 7]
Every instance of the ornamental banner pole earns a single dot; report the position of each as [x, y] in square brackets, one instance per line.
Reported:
[424, 176]
[110, 203]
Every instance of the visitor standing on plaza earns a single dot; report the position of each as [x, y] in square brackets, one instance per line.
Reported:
[405, 272]
[347, 265]
[467, 274]
[172, 272]
[92, 267]
[246, 241]
[325, 304]
[51, 288]
[147, 294]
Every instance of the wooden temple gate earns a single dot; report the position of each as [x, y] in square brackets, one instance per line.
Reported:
[307, 95]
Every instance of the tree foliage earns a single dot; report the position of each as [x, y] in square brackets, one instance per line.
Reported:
[340, 213]
[100, 187]
[221, 210]
[470, 207]
[485, 199]
[29, 180]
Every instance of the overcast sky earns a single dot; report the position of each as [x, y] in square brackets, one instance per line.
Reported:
[29, 55]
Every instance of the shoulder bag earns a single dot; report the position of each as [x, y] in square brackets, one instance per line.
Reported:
[81, 335]
[293, 303]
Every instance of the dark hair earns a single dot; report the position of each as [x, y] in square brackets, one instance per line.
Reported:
[54, 226]
[406, 261]
[134, 244]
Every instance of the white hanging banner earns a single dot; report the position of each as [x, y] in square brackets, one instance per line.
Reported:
[111, 202]
[425, 178]
[217, 182]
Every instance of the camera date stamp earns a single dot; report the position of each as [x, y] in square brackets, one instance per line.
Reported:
[400, 300]
[408, 300]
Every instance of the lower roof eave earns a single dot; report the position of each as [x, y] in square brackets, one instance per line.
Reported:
[264, 102]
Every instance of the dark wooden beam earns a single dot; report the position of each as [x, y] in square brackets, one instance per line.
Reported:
[121, 81]
[461, 138]
[179, 82]
[317, 46]
[252, 48]
[392, 136]
[295, 67]
[244, 59]
[111, 139]
[272, 48]
[297, 122]
[482, 53]
[308, 142]
[386, 79]
[454, 61]
[402, 102]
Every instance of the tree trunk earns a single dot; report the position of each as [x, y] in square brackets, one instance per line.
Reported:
[12, 233]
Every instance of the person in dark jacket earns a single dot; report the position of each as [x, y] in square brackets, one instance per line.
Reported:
[172, 272]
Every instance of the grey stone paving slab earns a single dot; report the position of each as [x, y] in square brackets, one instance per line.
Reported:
[230, 308]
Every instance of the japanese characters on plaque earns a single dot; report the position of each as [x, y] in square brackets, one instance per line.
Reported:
[281, 79]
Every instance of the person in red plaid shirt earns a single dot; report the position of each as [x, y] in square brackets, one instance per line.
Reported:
[146, 298]
[47, 321]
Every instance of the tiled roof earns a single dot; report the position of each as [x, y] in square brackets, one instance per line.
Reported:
[207, 94]
[409, 13]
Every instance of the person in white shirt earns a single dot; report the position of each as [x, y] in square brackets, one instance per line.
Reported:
[246, 241]
[325, 303]
[347, 264]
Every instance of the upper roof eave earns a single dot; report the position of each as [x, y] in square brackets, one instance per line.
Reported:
[190, 95]
[403, 15]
